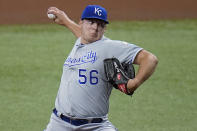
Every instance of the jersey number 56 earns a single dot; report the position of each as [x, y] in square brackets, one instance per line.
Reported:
[84, 75]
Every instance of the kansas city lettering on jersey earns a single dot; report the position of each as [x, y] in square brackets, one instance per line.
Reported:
[90, 57]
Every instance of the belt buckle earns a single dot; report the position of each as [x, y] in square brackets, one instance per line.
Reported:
[59, 114]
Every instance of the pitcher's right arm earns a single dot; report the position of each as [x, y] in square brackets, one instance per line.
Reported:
[63, 19]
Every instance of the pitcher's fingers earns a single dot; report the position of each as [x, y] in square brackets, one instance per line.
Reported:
[53, 8]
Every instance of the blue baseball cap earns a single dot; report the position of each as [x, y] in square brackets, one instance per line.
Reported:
[96, 12]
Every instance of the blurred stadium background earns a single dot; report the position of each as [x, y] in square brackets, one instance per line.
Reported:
[33, 50]
[34, 11]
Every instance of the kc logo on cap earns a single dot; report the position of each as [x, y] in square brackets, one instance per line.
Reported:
[97, 11]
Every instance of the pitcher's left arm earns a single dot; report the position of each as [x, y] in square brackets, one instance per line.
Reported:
[147, 63]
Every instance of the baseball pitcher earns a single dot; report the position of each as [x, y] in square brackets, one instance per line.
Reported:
[95, 66]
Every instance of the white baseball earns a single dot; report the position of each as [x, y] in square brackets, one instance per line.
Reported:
[51, 16]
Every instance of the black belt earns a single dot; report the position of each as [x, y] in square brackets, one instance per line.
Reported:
[76, 122]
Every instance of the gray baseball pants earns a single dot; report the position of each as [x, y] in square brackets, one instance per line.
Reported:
[57, 124]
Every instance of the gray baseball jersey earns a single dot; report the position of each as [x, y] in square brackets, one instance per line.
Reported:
[84, 92]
